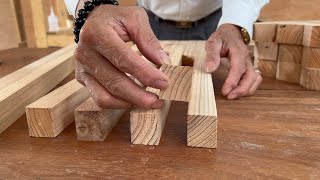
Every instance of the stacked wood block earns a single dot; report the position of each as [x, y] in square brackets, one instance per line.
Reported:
[289, 51]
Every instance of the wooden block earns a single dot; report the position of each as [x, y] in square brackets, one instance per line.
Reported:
[264, 32]
[94, 123]
[267, 68]
[60, 40]
[51, 114]
[290, 53]
[146, 125]
[311, 57]
[289, 72]
[202, 112]
[266, 50]
[32, 86]
[290, 33]
[311, 37]
[180, 83]
[310, 78]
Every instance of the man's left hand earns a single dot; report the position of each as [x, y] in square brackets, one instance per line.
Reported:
[242, 79]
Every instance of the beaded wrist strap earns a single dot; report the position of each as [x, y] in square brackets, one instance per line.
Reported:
[83, 14]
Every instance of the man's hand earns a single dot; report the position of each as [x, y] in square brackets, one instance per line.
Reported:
[103, 58]
[242, 79]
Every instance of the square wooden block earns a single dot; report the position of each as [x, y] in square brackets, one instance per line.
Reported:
[266, 50]
[289, 72]
[311, 57]
[310, 78]
[264, 32]
[268, 68]
[290, 53]
[311, 37]
[290, 34]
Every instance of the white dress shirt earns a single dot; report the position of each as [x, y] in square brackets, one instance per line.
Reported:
[239, 12]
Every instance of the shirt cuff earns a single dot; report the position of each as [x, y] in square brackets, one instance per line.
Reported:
[241, 13]
[72, 6]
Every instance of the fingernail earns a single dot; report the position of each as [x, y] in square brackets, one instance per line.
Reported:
[232, 96]
[210, 67]
[157, 105]
[164, 57]
[161, 84]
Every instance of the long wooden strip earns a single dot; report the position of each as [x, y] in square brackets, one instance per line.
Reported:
[15, 97]
[202, 111]
[94, 123]
[51, 114]
[146, 126]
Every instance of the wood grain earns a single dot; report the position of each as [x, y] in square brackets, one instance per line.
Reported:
[202, 111]
[51, 114]
[290, 33]
[266, 67]
[310, 78]
[32, 86]
[146, 126]
[93, 123]
[180, 83]
[266, 50]
[289, 72]
[290, 53]
[311, 37]
[311, 57]
[264, 32]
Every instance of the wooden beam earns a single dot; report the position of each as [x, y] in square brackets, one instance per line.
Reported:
[311, 57]
[202, 111]
[290, 33]
[35, 23]
[60, 40]
[32, 86]
[51, 114]
[266, 50]
[266, 67]
[180, 83]
[146, 126]
[311, 37]
[288, 71]
[290, 53]
[264, 32]
[94, 123]
[310, 78]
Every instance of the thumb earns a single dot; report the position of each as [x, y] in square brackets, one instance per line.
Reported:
[213, 48]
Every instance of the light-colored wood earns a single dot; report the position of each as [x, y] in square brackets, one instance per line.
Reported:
[146, 126]
[290, 33]
[289, 72]
[60, 40]
[202, 111]
[310, 78]
[35, 23]
[51, 114]
[311, 57]
[311, 37]
[266, 67]
[9, 31]
[94, 123]
[180, 83]
[32, 86]
[290, 53]
[266, 50]
[264, 32]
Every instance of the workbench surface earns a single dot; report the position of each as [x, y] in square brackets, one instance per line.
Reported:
[272, 135]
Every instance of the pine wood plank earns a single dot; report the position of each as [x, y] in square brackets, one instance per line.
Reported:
[264, 32]
[311, 57]
[288, 71]
[94, 123]
[266, 50]
[32, 86]
[311, 37]
[202, 111]
[51, 114]
[146, 126]
[266, 67]
[290, 33]
[180, 83]
[310, 78]
[290, 53]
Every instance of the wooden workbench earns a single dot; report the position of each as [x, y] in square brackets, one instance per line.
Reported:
[272, 135]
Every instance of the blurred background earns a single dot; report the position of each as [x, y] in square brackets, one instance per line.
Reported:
[47, 23]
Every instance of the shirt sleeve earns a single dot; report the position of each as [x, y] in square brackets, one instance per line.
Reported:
[71, 6]
[242, 13]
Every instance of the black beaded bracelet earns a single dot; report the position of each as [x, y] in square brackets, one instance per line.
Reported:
[83, 14]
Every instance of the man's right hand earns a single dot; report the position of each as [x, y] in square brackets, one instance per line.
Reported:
[103, 58]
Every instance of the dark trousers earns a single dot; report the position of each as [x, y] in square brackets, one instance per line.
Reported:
[201, 30]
